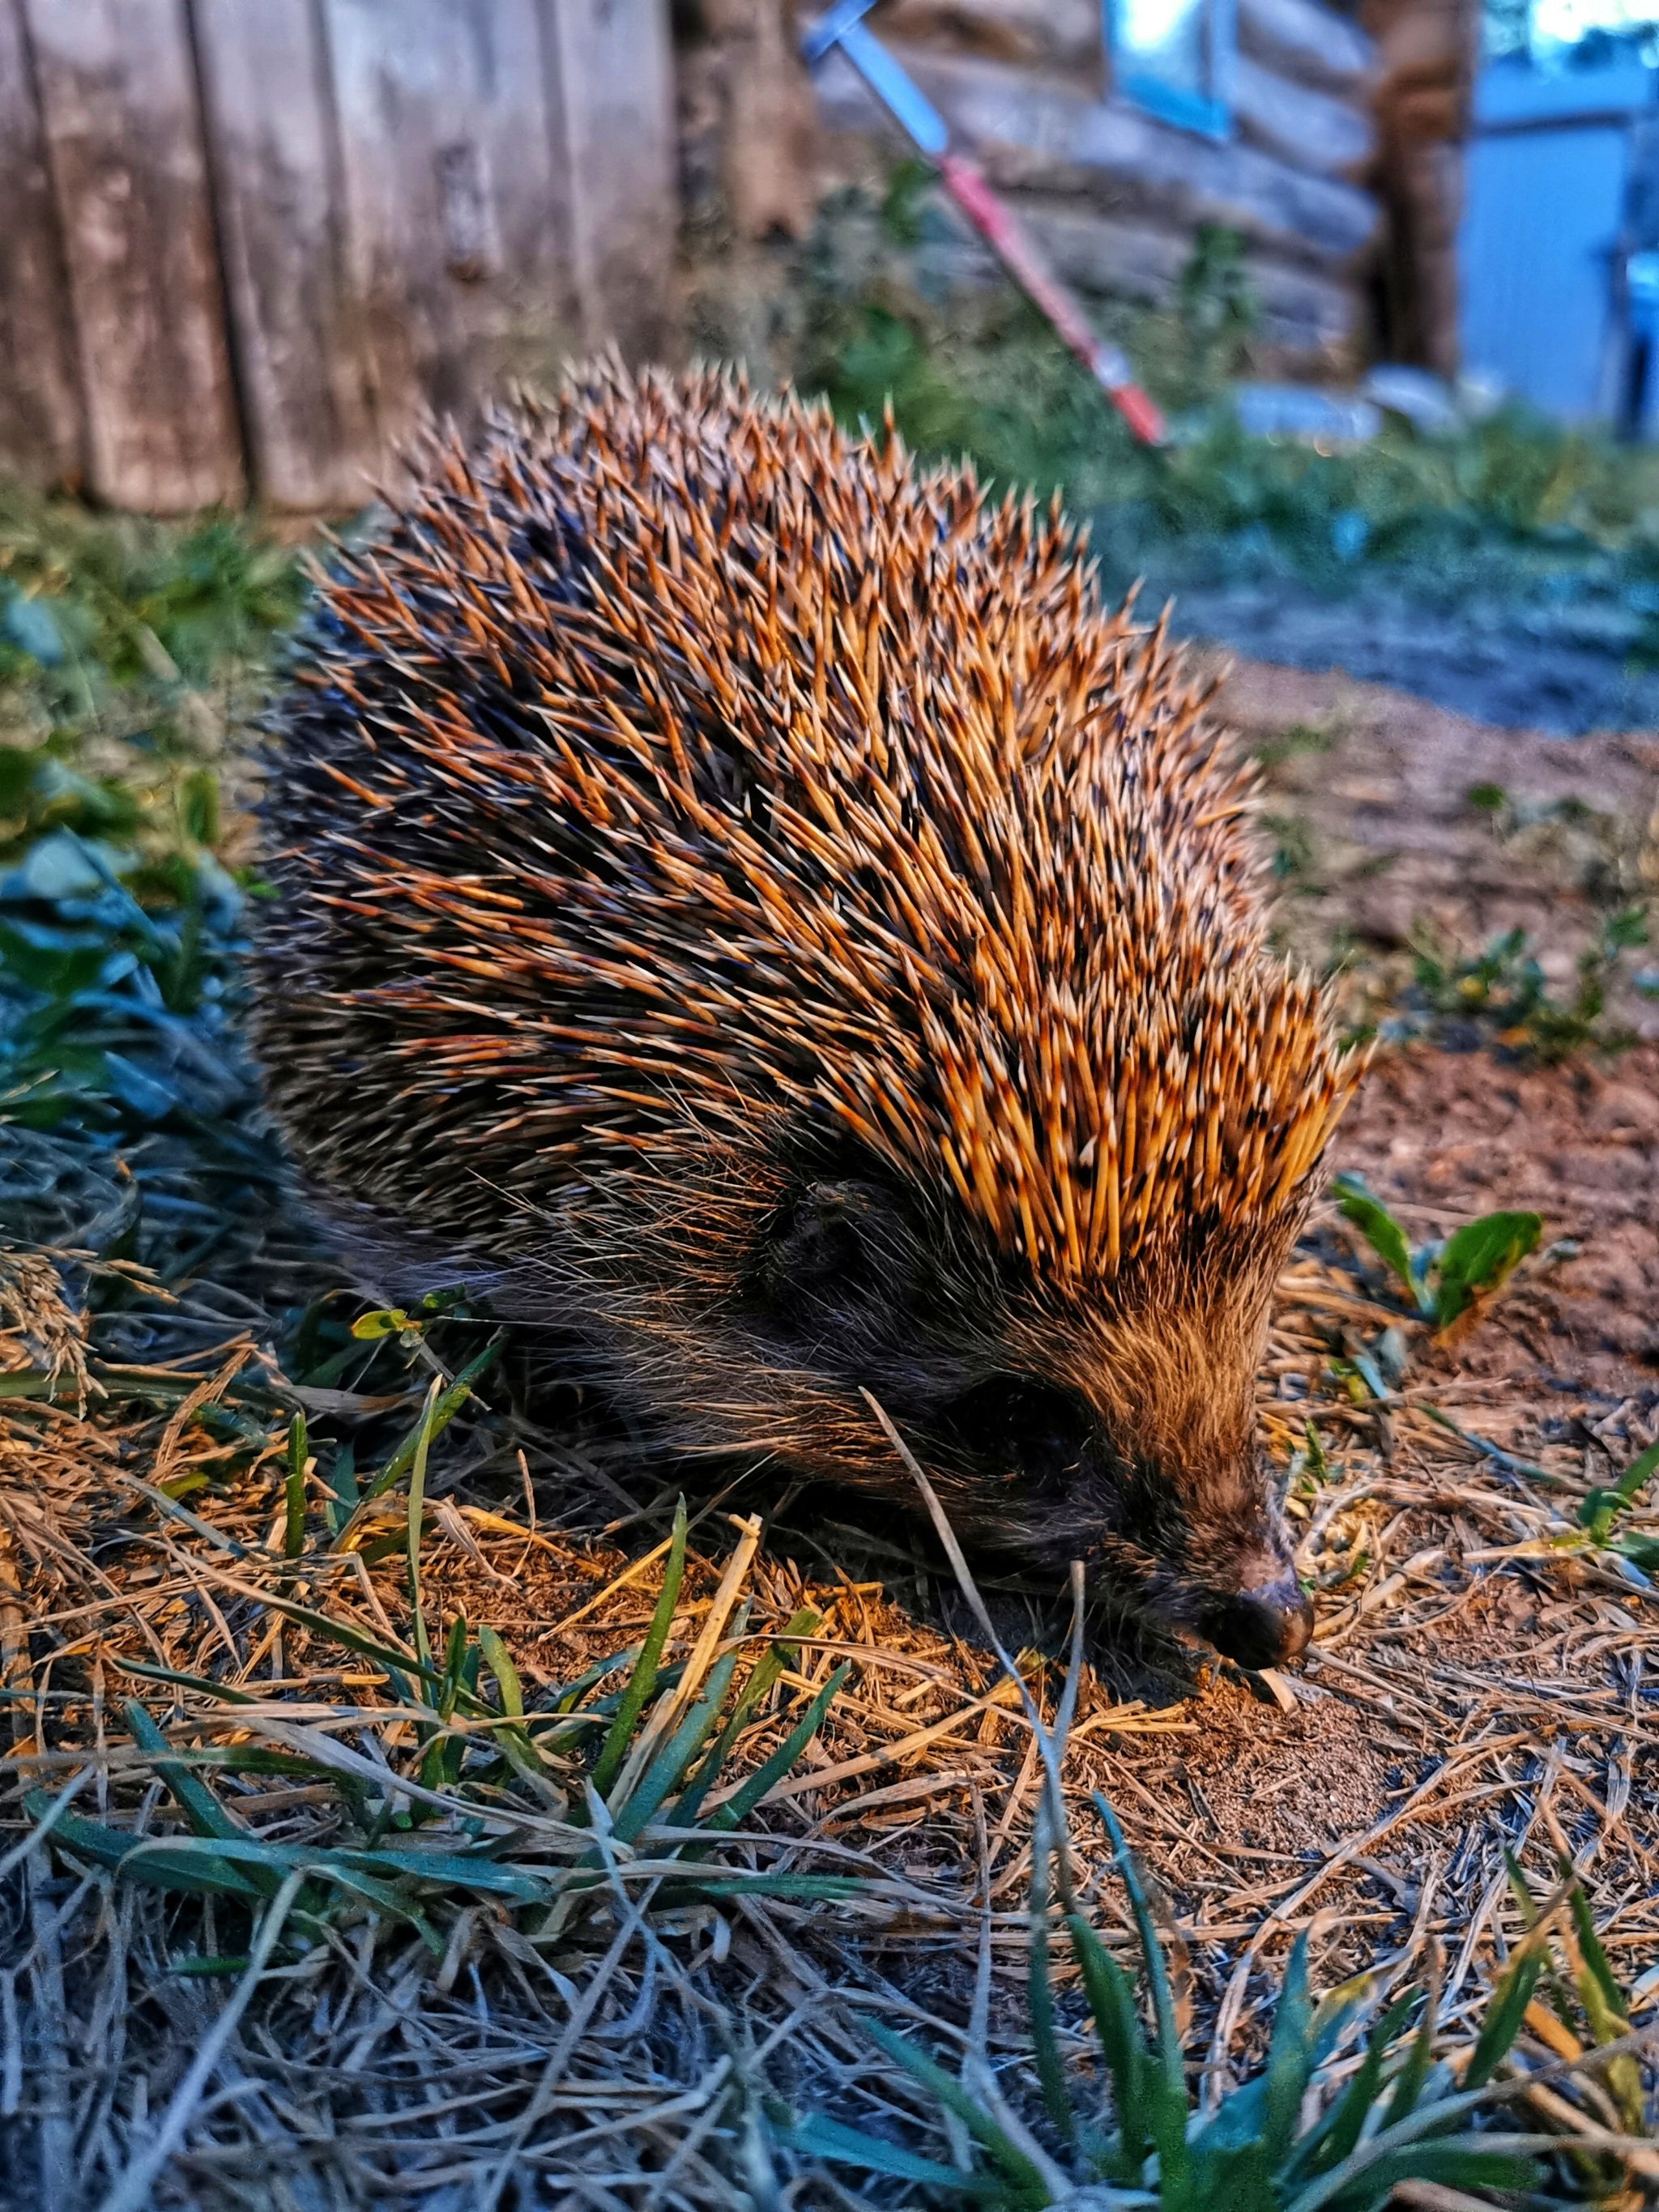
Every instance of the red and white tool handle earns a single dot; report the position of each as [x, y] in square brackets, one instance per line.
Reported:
[996, 225]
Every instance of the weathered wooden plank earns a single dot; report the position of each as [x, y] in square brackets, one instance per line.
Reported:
[122, 126]
[1303, 312]
[454, 210]
[1310, 129]
[1041, 135]
[40, 422]
[306, 373]
[1302, 39]
[1057, 34]
[610, 66]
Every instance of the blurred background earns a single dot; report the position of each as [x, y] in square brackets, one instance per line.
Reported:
[1391, 273]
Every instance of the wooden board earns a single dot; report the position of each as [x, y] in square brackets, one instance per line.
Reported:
[454, 218]
[1311, 129]
[1036, 134]
[40, 426]
[1303, 314]
[611, 94]
[122, 126]
[305, 370]
[1302, 39]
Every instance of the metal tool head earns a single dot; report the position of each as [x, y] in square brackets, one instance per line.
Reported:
[831, 29]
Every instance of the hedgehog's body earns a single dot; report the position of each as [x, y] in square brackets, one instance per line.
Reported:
[745, 903]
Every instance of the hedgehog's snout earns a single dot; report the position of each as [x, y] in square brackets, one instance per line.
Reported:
[1268, 1625]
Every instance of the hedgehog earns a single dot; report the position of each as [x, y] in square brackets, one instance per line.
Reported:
[748, 908]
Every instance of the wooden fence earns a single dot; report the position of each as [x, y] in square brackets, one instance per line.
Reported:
[245, 244]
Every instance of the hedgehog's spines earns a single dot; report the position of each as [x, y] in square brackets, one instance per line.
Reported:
[919, 840]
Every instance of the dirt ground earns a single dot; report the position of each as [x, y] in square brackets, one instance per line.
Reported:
[1480, 1685]
[1369, 790]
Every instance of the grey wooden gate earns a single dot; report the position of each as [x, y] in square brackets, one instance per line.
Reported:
[247, 244]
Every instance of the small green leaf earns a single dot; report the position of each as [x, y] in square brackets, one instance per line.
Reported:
[1379, 1229]
[1479, 1257]
[389, 1320]
[643, 1680]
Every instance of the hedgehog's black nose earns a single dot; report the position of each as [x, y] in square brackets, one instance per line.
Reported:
[1262, 1627]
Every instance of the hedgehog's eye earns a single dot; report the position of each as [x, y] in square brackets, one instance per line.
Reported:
[1023, 1430]
[834, 1241]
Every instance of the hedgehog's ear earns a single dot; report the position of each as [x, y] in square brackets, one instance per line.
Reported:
[833, 1240]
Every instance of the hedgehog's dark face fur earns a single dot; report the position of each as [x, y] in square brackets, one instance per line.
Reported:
[1122, 1434]
[1117, 1430]
[753, 909]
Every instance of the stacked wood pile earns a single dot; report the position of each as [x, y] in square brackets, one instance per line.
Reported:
[1115, 195]
[247, 244]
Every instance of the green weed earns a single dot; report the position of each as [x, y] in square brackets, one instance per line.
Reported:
[1444, 1280]
[1504, 992]
[124, 647]
[538, 1808]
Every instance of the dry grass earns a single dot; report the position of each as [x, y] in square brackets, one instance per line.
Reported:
[608, 2039]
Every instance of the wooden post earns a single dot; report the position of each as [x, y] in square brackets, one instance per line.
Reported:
[610, 71]
[299, 341]
[122, 128]
[41, 423]
[455, 220]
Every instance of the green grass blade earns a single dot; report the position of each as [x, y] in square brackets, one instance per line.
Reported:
[1028, 2183]
[397, 1664]
[455, 1658]
[815, 2137]
[783, 1652]
[343, 1482]
[199, 1683]
[676, 1755]
[1290, 2057]
[1170, 2057]
[1462, 2166]
[643, 1680]
[499, 1660]
[1635, 1474]
[206, 1815]
[737, 1808]
[443, 1412]
[1123, 2041]
[1340, 2127]
[1408, 2082]
[1598, 1987]
[1040, 1992]
[1502, 2023]
[294, 1527]
[416, 1513]
[161, 1866]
